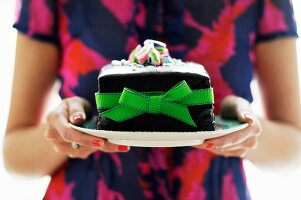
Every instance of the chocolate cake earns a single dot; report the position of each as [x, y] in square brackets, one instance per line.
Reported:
[153, 92]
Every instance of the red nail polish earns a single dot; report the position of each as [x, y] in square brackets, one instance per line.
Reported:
[122, 148]
[209, 145]
[96, 143]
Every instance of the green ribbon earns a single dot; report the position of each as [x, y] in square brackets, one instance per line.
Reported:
[173, 103]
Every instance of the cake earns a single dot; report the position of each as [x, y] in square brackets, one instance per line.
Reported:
[150, 91]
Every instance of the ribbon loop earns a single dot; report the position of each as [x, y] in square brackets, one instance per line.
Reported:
[134, 100]
[177, 92]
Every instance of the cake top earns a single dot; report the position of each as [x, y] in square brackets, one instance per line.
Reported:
[153, 53]
[152, 57]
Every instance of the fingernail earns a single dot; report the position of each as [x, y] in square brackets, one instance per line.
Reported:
[209, 145]
[249, 118]
[97, 143]
[122, 148]
[78, 116]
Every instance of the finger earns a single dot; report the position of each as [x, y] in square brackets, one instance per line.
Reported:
[77, 109]
[67, 147]
[250, 143]
[235, 153]
[231, 104]
[52, 135]
[85, 151]
[110, 147]
[58, 122]
[63, 147]
[232, 139]
[237, 108]
[80, 153]
[68, 134]
[244, 112]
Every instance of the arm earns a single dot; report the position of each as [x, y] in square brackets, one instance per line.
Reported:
[34, 75]
[275, 139]
[33, 147]
[280, 141]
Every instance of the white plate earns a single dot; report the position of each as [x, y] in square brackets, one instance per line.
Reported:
[164, 139]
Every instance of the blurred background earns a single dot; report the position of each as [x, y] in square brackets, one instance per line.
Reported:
[263, 184]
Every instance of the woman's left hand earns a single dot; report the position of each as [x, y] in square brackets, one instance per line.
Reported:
[238, 143]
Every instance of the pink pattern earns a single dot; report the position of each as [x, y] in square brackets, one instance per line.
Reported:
[272, 20]
[121, 9]
[41, 18]
[117, 162]
[18, 10]
[192, 174]
[148, 194]
[196, 192]
[140, 18]
[131, 44]
[106, 193]
[72, 66]
[162, 189]
[157, 159]
[211, 51]
[144, 167]
[114, 157]
[229, 191]
[252, 37]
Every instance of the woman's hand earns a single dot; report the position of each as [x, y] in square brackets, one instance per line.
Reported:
[62, 136]
[238, 143]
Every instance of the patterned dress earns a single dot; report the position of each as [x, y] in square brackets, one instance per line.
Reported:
[220, 34]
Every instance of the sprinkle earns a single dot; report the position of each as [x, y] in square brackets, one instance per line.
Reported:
[152, 53]
[142, 53]
[167, 59]
[155, 43]
[162, 50]
[166, 64]
[154, 57]
[125, 62]
[116, 62]
[132, 57]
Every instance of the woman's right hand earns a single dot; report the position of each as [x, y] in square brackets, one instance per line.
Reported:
[61, 135]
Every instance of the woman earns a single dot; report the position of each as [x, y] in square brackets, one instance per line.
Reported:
[72, 40]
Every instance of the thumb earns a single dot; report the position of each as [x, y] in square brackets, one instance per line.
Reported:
[77, 109]
[237, 108]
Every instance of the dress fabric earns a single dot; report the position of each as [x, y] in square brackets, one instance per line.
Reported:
[219, 34]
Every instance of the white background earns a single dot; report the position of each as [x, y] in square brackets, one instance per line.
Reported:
[263, 185]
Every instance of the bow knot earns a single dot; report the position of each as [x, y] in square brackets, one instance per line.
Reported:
[155, 103]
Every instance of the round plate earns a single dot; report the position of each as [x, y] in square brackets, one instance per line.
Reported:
[164, 139]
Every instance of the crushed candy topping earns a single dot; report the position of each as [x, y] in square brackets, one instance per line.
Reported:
[152, 53]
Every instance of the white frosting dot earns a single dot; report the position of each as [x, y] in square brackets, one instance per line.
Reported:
[116, 63]
[125, 62]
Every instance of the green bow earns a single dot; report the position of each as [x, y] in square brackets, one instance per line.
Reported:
[173, 103]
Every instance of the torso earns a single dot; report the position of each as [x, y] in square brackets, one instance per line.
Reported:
[216, 34]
